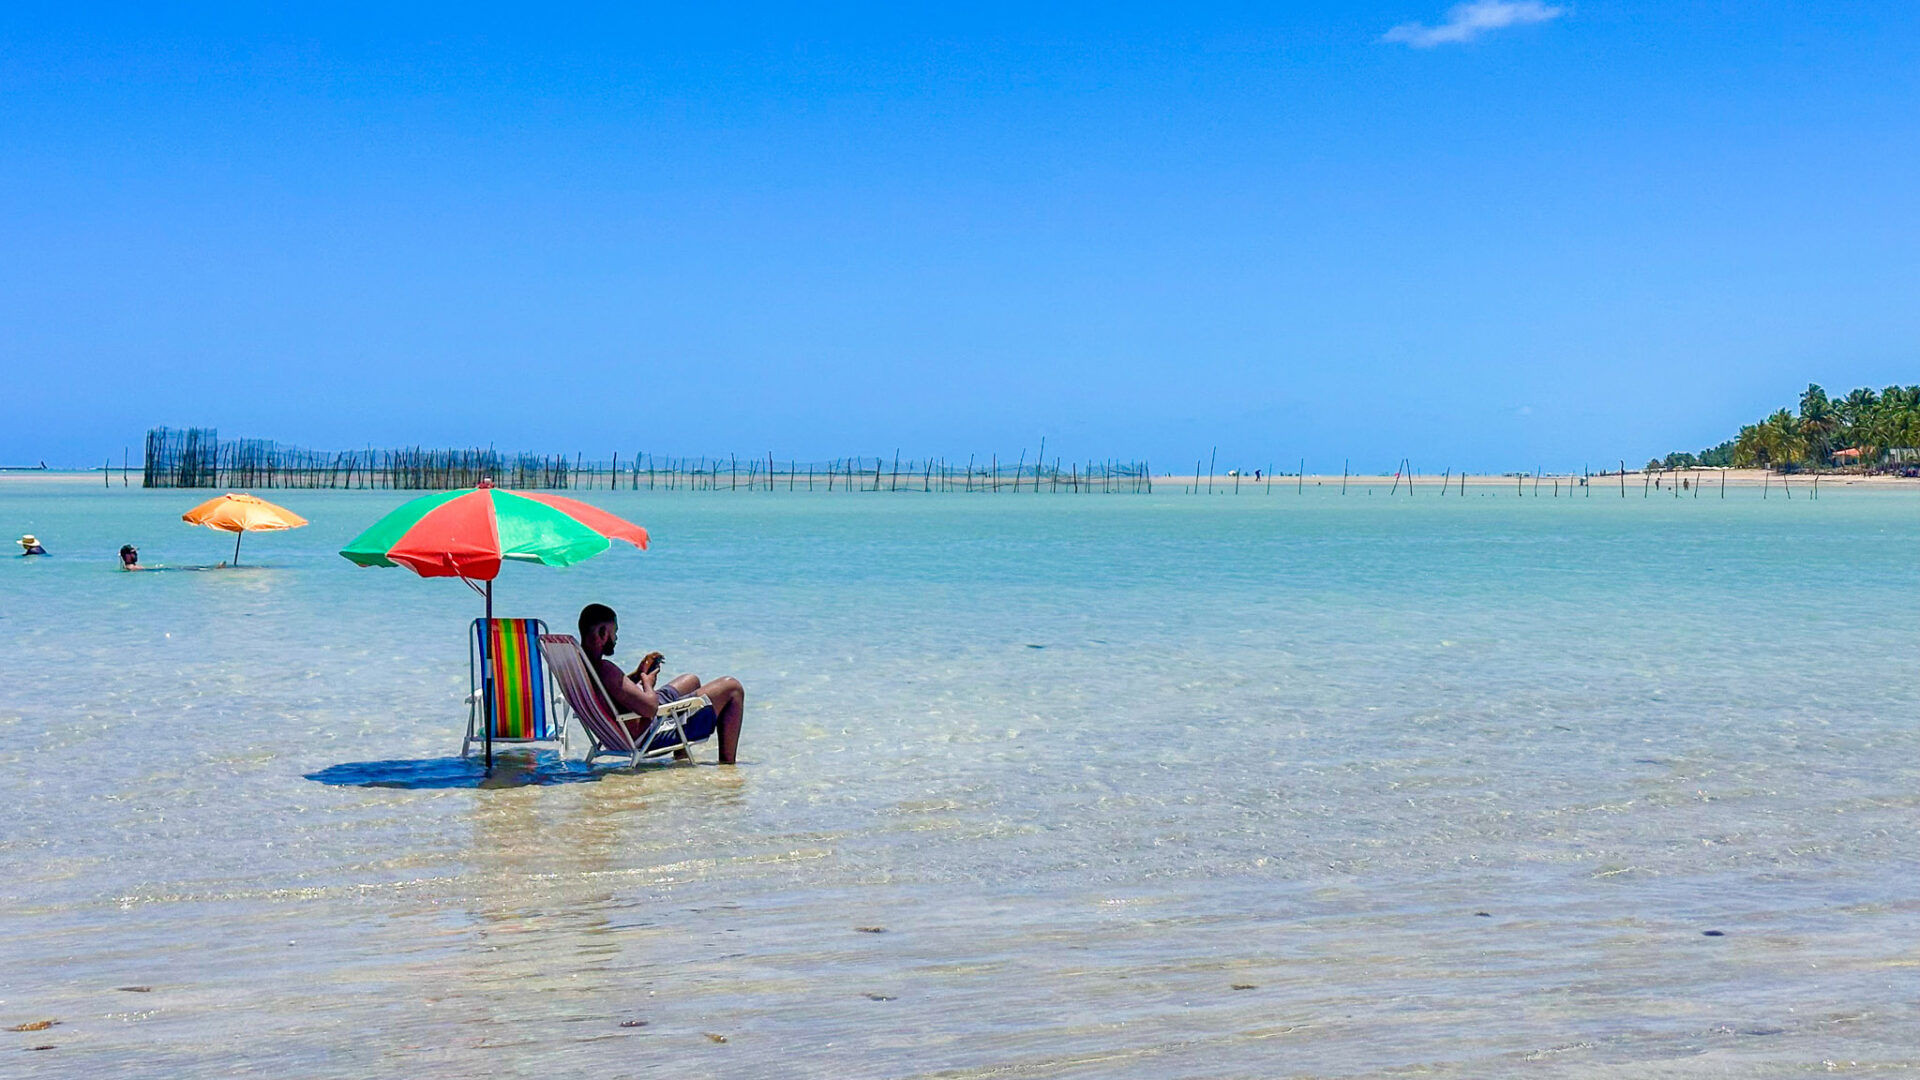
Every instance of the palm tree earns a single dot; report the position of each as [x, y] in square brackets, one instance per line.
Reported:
[1873, 422]
[1785, 444]
[1818, 422]
[1888, 422]
[1856, 406]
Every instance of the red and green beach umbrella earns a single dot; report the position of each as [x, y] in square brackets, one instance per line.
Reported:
[468, 534]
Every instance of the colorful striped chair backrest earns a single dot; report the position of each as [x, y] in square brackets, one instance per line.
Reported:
[585, 696]
[519, 700]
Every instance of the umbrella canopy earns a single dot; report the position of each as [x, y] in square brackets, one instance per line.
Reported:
[467, 534]
[242, 514]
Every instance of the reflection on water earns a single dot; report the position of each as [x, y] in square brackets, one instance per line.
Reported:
[1166, 786]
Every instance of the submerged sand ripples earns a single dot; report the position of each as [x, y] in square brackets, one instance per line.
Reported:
[1299, 787]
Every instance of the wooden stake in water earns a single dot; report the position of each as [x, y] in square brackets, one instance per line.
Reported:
[1344, 462]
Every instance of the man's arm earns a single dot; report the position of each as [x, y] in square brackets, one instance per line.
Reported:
[627, 694]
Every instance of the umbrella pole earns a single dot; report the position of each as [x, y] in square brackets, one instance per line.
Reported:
[487, 681]
[236, 547]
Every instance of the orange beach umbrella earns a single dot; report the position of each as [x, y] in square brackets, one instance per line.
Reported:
[241, 514]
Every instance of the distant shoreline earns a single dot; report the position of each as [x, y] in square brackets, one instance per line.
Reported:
[1707, 476]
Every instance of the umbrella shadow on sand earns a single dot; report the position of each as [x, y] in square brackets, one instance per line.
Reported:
[510, 769]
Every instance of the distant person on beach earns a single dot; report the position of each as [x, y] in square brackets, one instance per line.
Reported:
[30, 545]
[639, 692]
[130, 557]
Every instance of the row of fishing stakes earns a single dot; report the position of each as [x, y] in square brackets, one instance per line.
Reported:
[196, 457]
[1650, 481]
[646, 472]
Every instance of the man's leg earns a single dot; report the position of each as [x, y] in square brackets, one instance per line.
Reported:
[685, 684]
[729, 705]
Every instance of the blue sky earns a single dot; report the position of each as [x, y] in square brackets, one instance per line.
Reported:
[1494, 236]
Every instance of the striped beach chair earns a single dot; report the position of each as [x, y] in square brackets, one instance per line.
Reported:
[605, 725]
[524, 699]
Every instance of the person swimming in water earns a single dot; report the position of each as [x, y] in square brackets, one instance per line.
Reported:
[30, 545]
[130, 557]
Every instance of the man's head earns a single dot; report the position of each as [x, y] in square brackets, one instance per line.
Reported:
[599, 629]
[129, 554]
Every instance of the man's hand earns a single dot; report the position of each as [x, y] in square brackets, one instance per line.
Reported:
[649, 665]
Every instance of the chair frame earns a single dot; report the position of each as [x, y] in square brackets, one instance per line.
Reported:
[604, 724]
[477, 664]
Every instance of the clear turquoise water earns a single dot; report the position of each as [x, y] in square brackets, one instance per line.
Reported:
[1091, 762]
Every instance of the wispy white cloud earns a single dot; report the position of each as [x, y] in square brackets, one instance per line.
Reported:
[1468, 21]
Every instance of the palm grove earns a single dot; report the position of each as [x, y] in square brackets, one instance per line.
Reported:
[1872, 423]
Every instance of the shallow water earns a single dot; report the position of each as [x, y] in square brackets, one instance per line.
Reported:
[1281, 784]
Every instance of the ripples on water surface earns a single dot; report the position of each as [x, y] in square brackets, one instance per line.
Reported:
[1135, 786]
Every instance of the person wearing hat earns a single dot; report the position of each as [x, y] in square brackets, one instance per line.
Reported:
[30, 545]
[130, 557]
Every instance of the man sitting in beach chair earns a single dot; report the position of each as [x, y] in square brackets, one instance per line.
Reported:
[642, 694]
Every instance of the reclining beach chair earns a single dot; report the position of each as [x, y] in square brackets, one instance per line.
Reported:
[605, 725]
[525, 700]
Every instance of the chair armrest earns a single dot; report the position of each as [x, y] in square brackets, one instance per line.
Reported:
[685, 706]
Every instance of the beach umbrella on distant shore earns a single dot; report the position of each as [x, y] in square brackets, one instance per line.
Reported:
[242, 514]
[469, 533]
